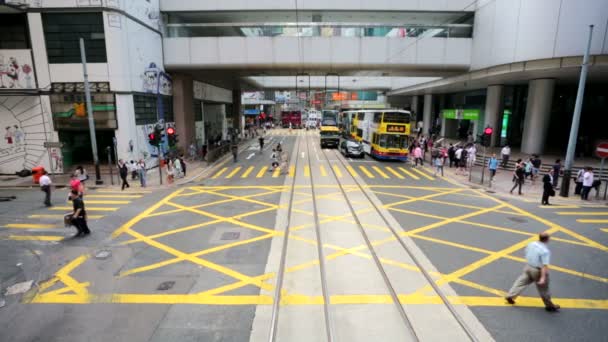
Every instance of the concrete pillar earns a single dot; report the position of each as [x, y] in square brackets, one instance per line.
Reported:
[538, 112]
[493, 111]
[183, 110]
[427, 114]
[237, 111]
[414, 106]
[443, 120]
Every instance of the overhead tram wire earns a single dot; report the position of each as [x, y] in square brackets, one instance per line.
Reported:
[326, 298]
[393, 293]
[415, 259]
[281, 272]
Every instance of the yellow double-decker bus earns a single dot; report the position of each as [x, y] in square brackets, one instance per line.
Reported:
[384, 132]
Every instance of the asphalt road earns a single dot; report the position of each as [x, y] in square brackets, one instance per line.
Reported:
[198, 262]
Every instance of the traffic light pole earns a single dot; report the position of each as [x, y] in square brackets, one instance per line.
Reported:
[575, 121]
[483, 165]
[87, 93]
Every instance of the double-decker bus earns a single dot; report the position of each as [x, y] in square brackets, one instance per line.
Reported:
[349, 123]
[384, 132]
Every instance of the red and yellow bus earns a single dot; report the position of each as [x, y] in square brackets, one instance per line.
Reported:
[384, 132]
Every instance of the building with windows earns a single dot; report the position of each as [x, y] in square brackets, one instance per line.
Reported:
[459, 65]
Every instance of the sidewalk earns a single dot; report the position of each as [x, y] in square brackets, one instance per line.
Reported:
[194, 170]
[532, 190]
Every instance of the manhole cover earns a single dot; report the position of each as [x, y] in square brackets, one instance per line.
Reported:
[474, 187]
[518, 219]
[230, 236]
[103, 254]
[491, 191]
[166, 285]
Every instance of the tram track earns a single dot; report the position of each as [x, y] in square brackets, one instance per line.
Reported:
[406, 320]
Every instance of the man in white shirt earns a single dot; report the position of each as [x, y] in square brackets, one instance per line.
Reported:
[587, 183]
[536, 270]
[506, 154]
[45, 186]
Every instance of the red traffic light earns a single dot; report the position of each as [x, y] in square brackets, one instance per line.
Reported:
[488, 131]
[170, 131]
[151, 136]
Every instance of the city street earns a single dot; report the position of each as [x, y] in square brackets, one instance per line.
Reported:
[201, 261]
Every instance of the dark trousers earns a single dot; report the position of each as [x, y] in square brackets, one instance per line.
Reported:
[234, 155]
[505, 161]
[578, 188]
[81, 224]
[421, 161]
[555, 179]
[47, 195]
[545, 199]
[518, 182]
[124, 182]
[451, 161]
[585, 192]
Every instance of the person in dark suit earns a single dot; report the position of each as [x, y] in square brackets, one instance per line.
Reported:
[548, 189]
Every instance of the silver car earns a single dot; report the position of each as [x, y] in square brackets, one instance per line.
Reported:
[351, 148]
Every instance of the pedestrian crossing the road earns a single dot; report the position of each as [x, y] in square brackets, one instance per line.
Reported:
[47, 225]
[379, 172]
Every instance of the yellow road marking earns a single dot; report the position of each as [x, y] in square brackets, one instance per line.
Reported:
[262, 172]
[276, 173]
[292, 171]
[247, 172]
[380, 172]
[104, 202]
[35, 237]
[30, 226]
[323, 171]
[337, 171]
[604, 230]
[591, 221]
[367, 173]
[351, 171]
[133, 192]
[87, 208]
[219, 173]
[234, 172]
[408, 173]
[423, 174]
[59, 216]
[306, 171]
[391, 170]
[582, 213]
[296, 299]
[113, 196]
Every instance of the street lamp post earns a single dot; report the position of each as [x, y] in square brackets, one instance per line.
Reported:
[575, 121]
[87, 94]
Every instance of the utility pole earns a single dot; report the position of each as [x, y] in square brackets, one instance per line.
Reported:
[576, 120]
[87, 94]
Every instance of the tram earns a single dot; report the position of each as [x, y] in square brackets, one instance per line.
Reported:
[384, 132]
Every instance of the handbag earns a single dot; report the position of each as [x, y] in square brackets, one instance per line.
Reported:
[67, 220]
[552, 193]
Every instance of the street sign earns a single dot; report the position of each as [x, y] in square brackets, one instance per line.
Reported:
[53, 144]
[602, 150]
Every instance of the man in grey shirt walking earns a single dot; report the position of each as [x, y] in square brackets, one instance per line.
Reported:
[536, 270]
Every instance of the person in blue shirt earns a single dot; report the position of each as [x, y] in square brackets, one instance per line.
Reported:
[493, 165]
[536, 271]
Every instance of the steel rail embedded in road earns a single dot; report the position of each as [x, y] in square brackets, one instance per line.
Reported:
[281, 272]
[326, 298]
[424, 272]
[406, 321]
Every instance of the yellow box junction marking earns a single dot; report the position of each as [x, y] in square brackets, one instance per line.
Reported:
[366, 171]
[591, 221]
[337, 170]
[292, 171]
[30, 226]
[76, 292]
[219, 173]
[380, 172]
[423, 174]
[87, 208]
[307, 171]
[59, 216]
[323, 171]
[261, 172]
[582, 213]
[395, 173]
[352, 171]
[276, 172]
[404, 170]
[35, 237]
[247, 172]
[234, 172]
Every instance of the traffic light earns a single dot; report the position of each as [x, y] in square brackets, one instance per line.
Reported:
[154, 138]
[171, 136]
[487, 136]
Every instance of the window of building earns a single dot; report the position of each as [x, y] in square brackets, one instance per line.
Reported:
[14, 32]
[62, 32]
[146, 108]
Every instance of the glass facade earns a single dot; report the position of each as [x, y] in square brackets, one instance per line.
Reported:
[146, 108]
[62, 32]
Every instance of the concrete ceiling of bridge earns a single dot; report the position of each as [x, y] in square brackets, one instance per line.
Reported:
[483, 78]
[388, 17]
